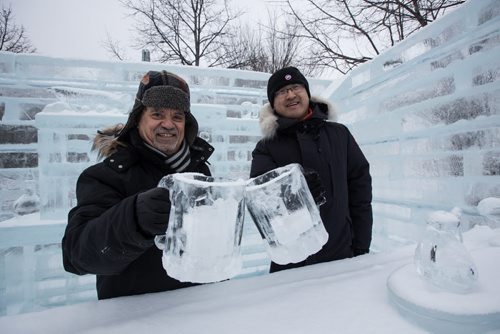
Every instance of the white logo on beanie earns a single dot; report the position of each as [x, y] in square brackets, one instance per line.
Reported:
[288, 77]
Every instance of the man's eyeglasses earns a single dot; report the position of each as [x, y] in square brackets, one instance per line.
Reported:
[284, 91]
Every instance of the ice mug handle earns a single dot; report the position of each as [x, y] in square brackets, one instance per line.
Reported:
[168, 183]
[160, 241]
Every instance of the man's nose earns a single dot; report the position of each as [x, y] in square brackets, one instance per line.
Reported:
[167, 122]
[289, 90]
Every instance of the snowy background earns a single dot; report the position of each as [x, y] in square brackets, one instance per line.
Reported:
[426, 114]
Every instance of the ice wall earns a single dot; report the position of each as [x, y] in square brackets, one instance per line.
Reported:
[427, 115]
[93, 94]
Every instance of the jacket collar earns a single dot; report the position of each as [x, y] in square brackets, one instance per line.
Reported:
[268, 118]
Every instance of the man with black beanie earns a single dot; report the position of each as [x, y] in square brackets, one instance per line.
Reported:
[120, 209]
[298, 128]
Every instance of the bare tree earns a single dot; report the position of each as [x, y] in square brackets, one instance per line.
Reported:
[188, 32]
[265, 49]
[13, 37]
[114, 48]
[282, 43]
[243, 49]
[345, 33]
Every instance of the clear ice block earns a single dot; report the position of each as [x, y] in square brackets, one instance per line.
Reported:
[285, 214]
[441, 258]
[202, 241]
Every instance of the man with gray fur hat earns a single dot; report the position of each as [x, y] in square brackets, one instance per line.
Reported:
[298, 128]
[120, 209]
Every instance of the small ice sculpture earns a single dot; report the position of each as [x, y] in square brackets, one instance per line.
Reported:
[490, 208]
[202, 241]
[27, 203]
[441, 258]
[285, 214]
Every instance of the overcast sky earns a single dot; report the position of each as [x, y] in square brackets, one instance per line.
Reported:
[77, 28]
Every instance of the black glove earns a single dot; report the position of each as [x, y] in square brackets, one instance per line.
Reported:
[316, 188]
[153, 210]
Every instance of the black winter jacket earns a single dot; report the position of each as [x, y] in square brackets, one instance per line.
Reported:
[103, 237]
[330, 149]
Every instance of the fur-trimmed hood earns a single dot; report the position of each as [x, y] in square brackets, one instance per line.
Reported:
[106, 142]
[268, 118]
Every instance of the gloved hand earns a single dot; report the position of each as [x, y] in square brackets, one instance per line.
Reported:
[316, 188]
[153, 210]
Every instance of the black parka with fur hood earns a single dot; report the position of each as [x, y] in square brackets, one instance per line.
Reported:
[328, 147]
[102, 236]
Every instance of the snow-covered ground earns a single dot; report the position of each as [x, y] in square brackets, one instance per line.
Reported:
[348, 296]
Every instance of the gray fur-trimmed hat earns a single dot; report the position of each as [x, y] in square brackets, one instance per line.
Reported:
[162, 90]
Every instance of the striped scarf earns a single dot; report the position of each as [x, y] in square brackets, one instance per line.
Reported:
[178, 161]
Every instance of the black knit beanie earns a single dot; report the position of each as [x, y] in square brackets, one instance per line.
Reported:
[162, 90]
[281, 78]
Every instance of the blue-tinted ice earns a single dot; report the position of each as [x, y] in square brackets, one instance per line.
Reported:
[441, 258]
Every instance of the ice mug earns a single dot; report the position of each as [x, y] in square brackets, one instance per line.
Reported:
[202, 241]
[285, 214]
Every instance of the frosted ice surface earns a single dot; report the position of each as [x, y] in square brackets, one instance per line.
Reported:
[490, 208]
[250, 110]
[96, 100]
[56, 107]
[442, 87]
[415, 50]
[208, 252]
[27, 203]
[441, 258]
[361, 78]
[289, 228]
[299, 249]
[202, 242]
[285, 214]
[214, 239]
[441, 311]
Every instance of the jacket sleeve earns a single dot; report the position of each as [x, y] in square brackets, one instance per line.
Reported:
[360, 196]
[102, 236]
[205, 170]
[262, 160]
